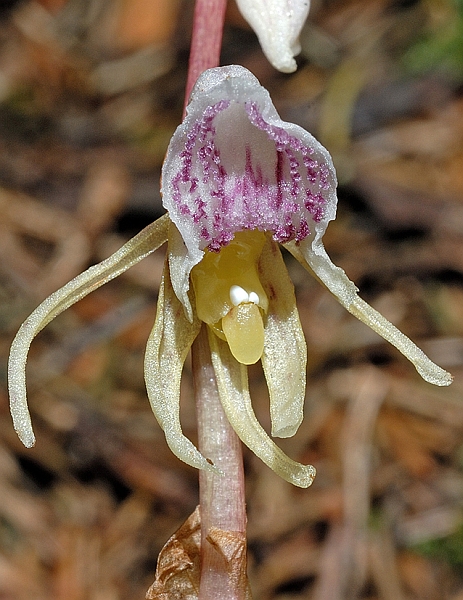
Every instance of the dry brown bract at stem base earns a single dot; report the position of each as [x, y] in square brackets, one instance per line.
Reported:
[178, 570]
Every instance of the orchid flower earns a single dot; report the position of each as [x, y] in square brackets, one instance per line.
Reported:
[237, 181]
[277, 24]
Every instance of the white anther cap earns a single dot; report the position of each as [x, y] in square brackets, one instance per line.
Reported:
[238, 295]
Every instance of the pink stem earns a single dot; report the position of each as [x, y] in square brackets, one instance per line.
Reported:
[222, 498]
[206, 41]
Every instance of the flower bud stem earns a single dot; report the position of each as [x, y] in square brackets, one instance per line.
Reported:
[206, 41]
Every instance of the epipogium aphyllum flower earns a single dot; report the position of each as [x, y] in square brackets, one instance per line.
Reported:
[237, 181]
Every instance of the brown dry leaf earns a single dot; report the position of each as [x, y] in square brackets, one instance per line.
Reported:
[43, 58]
[48, 231]
[412, 172]
[103, 196]
[404, 445]
[296, 558]
[231, 548]
[178, 568]
[431, 179]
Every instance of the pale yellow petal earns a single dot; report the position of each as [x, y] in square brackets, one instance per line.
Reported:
[233, 388]
[314, 258]
[167, 348]
[147, 241]
[285, 351]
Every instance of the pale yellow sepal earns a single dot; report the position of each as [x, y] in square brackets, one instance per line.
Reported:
[232, 383]
[147, 241]
[314, 258]
[285, 352]
[166, 350]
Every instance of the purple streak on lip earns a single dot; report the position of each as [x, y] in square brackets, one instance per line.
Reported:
[220, 203]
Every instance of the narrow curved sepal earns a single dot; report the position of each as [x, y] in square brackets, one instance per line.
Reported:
[167, 348]
[285, 352]
[147, 241]
[313, 256]
[232, 383]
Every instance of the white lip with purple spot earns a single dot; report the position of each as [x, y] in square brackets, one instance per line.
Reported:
[233, 165]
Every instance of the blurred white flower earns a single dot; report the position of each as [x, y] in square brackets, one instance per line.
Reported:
[277, 24]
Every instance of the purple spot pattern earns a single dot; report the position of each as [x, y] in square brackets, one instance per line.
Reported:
[218, 204]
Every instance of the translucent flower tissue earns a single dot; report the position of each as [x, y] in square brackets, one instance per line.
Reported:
[237, 182]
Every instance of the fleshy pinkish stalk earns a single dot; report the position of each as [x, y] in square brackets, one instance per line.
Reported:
[222, 498]
[222, 501]
[206, 40]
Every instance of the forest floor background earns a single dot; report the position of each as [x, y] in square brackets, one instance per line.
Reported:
[90, 93]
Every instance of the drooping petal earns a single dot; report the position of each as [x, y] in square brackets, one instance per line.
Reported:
[285, 353]
[168, 345]
[232, 382]
[312, 255]
[277, 24]
[147, 241]
[233, 165]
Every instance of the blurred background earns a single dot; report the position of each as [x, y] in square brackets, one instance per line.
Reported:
[90, 93]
